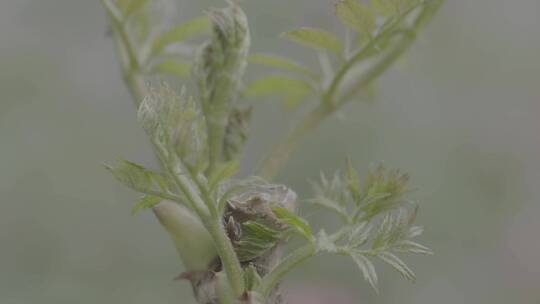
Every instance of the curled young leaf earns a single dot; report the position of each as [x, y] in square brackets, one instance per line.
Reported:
[219, 68]
[175, 125]
[236, 132]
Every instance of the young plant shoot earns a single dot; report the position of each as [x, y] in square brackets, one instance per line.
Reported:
[230, 230]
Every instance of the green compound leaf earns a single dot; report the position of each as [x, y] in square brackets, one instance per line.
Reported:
[147, 201]
[292, 89]
[280, 62]
[356, 16]
[181, 32]
[173, 67]
[298, 224]
[316, 38]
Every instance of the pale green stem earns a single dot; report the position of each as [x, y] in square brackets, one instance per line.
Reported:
[135, 82]
[272, 279]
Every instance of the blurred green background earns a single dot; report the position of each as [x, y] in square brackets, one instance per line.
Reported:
[462, 116]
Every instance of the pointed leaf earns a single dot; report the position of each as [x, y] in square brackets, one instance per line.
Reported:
[147, 201]
[293, 221]
[367, 269]
[280, 62]
[330, 205]
[356, 16]
[407, 246]
[181, 32]
[138, 177]
[316, 38]
[173, 67]
[133, 6]
[292, 89]
[398, 265]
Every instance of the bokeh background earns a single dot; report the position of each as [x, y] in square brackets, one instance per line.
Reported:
[462, 116]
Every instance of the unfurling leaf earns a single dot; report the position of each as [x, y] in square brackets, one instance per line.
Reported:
[292, 89]
[173, 67]
[280, 62]
[236, 132]
[383, 191]
[356, 16]
[316, 38]
[219, 69]
[180, 32]
[147, 201]
[294, 222]
[367, 268]
[256, 239]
